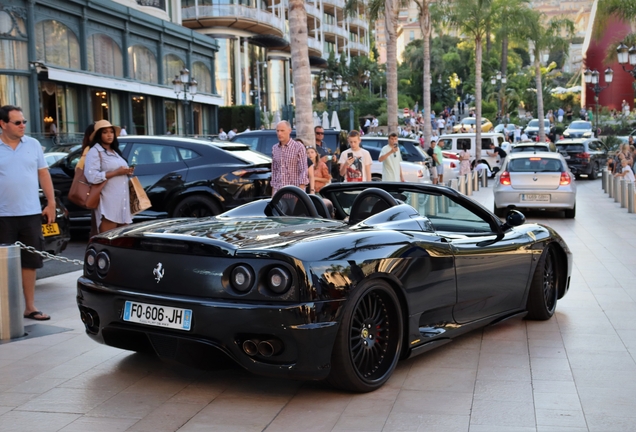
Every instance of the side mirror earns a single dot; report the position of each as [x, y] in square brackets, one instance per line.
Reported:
[515, 218]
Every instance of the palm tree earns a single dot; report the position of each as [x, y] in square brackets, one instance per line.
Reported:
[510, 16]
[424, 7]
[472, 17]
[545, 38]
[301, 71]
[389, 9]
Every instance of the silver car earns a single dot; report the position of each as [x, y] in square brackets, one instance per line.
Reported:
[537, 181]
[413, 173]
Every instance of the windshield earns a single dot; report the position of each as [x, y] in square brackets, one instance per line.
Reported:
[469, 121]
[535, 164]
[581, 125]
[530, 148]
[535, 123]
[248, 155]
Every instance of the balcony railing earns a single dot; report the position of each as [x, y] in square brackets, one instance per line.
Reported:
[312, 11]
[235, 11]
[313, 43]
[330, 28]
[159, 4]
[340, 4]
[359, 22]
[358, 46]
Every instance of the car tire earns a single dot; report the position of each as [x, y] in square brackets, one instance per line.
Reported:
[544, 289]
[369, 339]
[570, 213]
[499, 212]
[594, 173]
[196, 206]
[376, 177]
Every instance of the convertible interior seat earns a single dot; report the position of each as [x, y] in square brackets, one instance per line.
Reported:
[291, 201]
[321, 207]
[369, 202]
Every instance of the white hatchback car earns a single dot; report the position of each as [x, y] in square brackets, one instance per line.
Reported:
[537, 181]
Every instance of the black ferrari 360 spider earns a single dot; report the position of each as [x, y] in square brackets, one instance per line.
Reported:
[289, 287]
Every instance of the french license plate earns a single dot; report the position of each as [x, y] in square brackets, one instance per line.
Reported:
[50, 229]
[535, 197]
[160, 316]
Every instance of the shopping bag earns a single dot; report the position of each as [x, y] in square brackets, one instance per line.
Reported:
[138, 199]
[83, 193]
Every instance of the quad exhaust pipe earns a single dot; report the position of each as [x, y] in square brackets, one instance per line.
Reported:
[264, 348]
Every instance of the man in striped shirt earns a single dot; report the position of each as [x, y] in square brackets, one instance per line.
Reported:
[289, 160]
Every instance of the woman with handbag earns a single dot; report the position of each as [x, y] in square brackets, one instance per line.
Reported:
[105, 163]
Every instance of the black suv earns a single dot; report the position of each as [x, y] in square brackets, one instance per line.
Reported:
[584, 156]
[264, 140]
[182, 176]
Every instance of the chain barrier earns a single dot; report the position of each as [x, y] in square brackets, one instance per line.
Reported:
[48, 255]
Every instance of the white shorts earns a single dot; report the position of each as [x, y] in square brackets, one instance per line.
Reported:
[433, 171]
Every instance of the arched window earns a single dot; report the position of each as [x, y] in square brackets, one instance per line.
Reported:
[143, 64]
[104, 56]
[13, 52]
[203, 76]
[172, 66]
[56, 44]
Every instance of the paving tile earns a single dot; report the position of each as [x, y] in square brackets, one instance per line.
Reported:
[543, 386]
[433, 402]
[502, 413]
[168, 417]
[442, 379]
[66, 400]
[496, 390]
[21, 421]
[129, 405]
[607, 423]
[99, 424]
[504, 373]
[557, 401]
[560, 417]
[415, 422]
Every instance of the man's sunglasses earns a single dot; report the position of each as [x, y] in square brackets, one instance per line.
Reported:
[320, 133]
[18, 122]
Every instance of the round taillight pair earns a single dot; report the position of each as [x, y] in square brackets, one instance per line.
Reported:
[99, 262]
[278, 279]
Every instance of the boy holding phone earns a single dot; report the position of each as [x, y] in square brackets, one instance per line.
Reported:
[355, 163]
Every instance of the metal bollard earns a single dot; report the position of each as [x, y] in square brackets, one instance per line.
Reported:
[11, 296]
[475, 177]
[484, 178]
[630, 197]
[454, 184]
[442, 204]
[604, 180]
[610, 185]
[469, 186]
[617, 189]
[623, 197]
[431, 206]
[462, 184]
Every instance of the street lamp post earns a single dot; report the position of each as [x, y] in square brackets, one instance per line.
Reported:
[186, 84]
[497, 80]
[626, 55]
[592, 77]
[336, 88]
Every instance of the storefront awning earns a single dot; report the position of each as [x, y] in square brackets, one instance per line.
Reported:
[125, 85]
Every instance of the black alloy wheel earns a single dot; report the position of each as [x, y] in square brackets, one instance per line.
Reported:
[594, 173]
[196, 206]
[369, 339]
[544, 290]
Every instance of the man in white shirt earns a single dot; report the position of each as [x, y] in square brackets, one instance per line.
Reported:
[524, 137]
[374, 125]
[367, 125]
[231, 134]
[123, 132]
[355, 163]
[222, 134]
[441, 124]
[391, 159]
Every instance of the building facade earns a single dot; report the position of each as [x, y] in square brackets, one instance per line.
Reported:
[254, 59]
[69, 63]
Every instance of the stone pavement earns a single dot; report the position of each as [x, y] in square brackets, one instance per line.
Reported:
[576, 372]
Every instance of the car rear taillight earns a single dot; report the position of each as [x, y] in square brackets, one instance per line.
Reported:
[452, 165]
[420, 173]
[566, 179]
[584, 155]
[504, 179]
